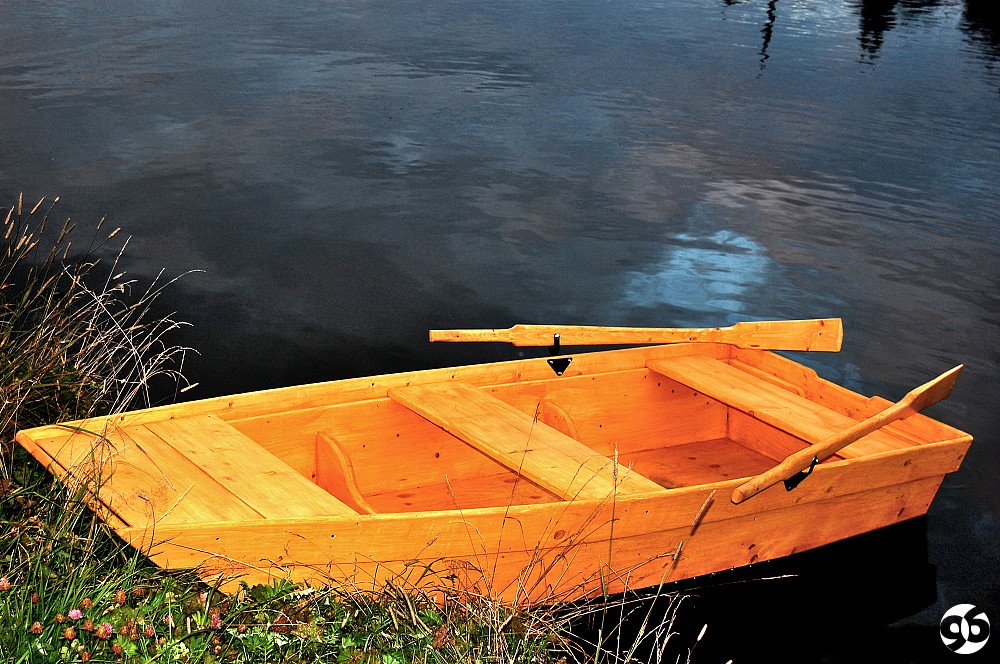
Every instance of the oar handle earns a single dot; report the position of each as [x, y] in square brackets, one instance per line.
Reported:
[916, 400]
[818, 334]
[483, 335]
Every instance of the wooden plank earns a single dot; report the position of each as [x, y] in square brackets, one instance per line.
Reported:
[644, 530]
[761, 437]
[335, 474]
[245, 469]
[702, 462]
[377, 434]
[267, 403]
[497, 490]
[545, 456]
[144, 481]
[770, 403]
[622, 410]
[439, 533]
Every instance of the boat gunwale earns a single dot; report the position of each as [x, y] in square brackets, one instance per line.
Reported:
[375, 387]
[259, 404]
[721, 488]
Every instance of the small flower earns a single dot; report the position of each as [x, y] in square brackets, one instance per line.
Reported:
[168, 620]
[75, 614]
[117, 648]
[60, 618]
[241, 629]
[104, 631]
[4, 584]
[36, 628]
[84, 656]
[120, 597]
[35, 598]
[86, 603]
[69, 633]
[215, 622]
[149, 631]
[88, 625]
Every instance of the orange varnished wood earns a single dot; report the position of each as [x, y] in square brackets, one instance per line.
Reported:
[501, 489]
[377, 434]
[703, 462]
[535, 450]
[442, 504]
[335, 474]
[622, 411]
[304, 399]
[915, 400]
[805, 381]
[814, 335]
[256, 476]
[535, 554]
[761, 437]
[551, 413]
[143, 481]
[770, 403]
[509, 545]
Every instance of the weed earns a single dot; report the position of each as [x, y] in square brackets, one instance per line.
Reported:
[77, 339]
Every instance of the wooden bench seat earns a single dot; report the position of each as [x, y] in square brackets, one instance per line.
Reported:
[238, 466]
[142, 480]
[769, 403]
[534, 450]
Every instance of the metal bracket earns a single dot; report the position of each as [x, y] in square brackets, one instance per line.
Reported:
[559, 364]
[797, 478]
[554, 348]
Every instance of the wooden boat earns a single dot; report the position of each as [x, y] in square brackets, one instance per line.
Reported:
[537, 480]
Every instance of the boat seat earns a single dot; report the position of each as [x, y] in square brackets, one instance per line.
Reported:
[235, 465]
[534, 450]
[769, 403]
[141, 479]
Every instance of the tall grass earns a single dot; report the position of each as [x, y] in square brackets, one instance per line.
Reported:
[78, 338]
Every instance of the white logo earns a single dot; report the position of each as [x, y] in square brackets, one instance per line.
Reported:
[965, 629]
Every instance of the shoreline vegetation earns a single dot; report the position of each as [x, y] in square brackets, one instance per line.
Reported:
[79, 338]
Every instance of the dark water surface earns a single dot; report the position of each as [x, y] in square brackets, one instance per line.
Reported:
[351, 174]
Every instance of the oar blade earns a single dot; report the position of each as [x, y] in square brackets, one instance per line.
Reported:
[934, 390]
[915, 400]
[814, 334]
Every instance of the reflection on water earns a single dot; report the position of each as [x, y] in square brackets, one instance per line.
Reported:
[349, 175]
[712, 273]
[879, 17]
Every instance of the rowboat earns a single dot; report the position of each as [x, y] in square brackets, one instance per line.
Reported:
[545, 479]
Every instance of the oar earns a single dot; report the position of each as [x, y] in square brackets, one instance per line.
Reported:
[916, 400]
[825, 334]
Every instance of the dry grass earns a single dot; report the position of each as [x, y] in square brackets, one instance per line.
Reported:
[78, 339]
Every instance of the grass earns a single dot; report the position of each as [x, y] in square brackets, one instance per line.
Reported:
[78, 338]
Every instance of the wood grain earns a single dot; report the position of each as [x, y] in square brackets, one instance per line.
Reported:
[535, 450]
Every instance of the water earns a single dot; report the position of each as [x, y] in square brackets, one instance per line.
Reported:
[348, 175]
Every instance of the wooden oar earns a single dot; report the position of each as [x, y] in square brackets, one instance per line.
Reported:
[824, 334]
[916, 400]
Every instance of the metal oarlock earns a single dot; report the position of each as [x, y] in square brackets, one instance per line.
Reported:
[797, 478]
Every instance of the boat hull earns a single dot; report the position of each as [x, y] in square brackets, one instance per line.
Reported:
[531, 531]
